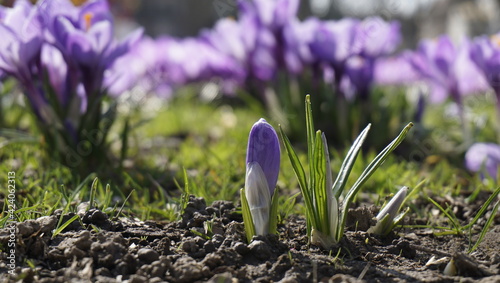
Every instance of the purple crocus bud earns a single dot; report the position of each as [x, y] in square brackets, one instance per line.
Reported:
[264, 149]
[483, 156]
[263, 161]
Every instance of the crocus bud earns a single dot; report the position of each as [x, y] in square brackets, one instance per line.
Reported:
[263, 161]
[385, 218]
[264, 149]
[394, 204]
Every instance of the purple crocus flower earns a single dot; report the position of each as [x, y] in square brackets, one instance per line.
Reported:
[483, 156]
[85, 37]
[359, 71]
[395, 70]
[485, 52]
[375, 37]
[20, 48]
[447, 69]
[333, 43]
[263, 161]
[297, 36]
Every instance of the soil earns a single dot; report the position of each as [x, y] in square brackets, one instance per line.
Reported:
[208, 245]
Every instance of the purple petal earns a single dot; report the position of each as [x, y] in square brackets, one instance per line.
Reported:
[483, 154]
[264, 149]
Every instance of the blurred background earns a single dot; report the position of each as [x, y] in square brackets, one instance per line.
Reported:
[419, 18]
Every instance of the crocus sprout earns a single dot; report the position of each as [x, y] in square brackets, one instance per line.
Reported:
[263, 162]
[326, 216]
[388, 217]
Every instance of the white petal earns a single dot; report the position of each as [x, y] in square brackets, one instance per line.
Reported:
[258, 197]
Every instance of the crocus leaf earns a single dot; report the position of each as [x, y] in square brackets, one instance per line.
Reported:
[301, 176]
[273, 215]
[348, 163]
[247, 217]
[369, 170]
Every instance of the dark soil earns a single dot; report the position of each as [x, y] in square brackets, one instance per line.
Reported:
[209, 245]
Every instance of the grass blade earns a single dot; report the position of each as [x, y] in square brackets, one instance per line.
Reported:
[63, 226]
[483, 208]
[486, 226]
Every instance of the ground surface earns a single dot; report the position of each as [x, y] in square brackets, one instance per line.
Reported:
[209, 244]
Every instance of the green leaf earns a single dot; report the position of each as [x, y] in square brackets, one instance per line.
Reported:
[486, 226]
[310, 136]
[273, 214]
[66, 224]
[369, 170]
[247, 216]
[319, 186]
[348, 163]
[483, 208]
[301, 175]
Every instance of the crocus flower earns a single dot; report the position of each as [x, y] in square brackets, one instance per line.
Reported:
[395, 70]
[447, 69]
[483, 157]
[485, 52]
[359, 71]
[85, 38]
[375, 37]
[333, 43]
[386, 217]
[297, 36]
[20, 48]
[263, 161]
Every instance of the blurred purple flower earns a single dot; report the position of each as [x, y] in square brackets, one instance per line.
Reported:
[485, 52]
[333, 43]
[447, 69]
[395, 70]
[483, 156]
[297, 36]
[375, 37]
[359, 71]
[271, 14]
[20, 48]
[264, 149]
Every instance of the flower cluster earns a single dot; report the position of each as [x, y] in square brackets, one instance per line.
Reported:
[60, 55]
[266, 38]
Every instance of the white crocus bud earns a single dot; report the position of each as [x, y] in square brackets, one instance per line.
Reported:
[385, 218]
[392, 208]
[258, 197]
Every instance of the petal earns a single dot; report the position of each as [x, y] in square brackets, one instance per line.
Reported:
[258, 197]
